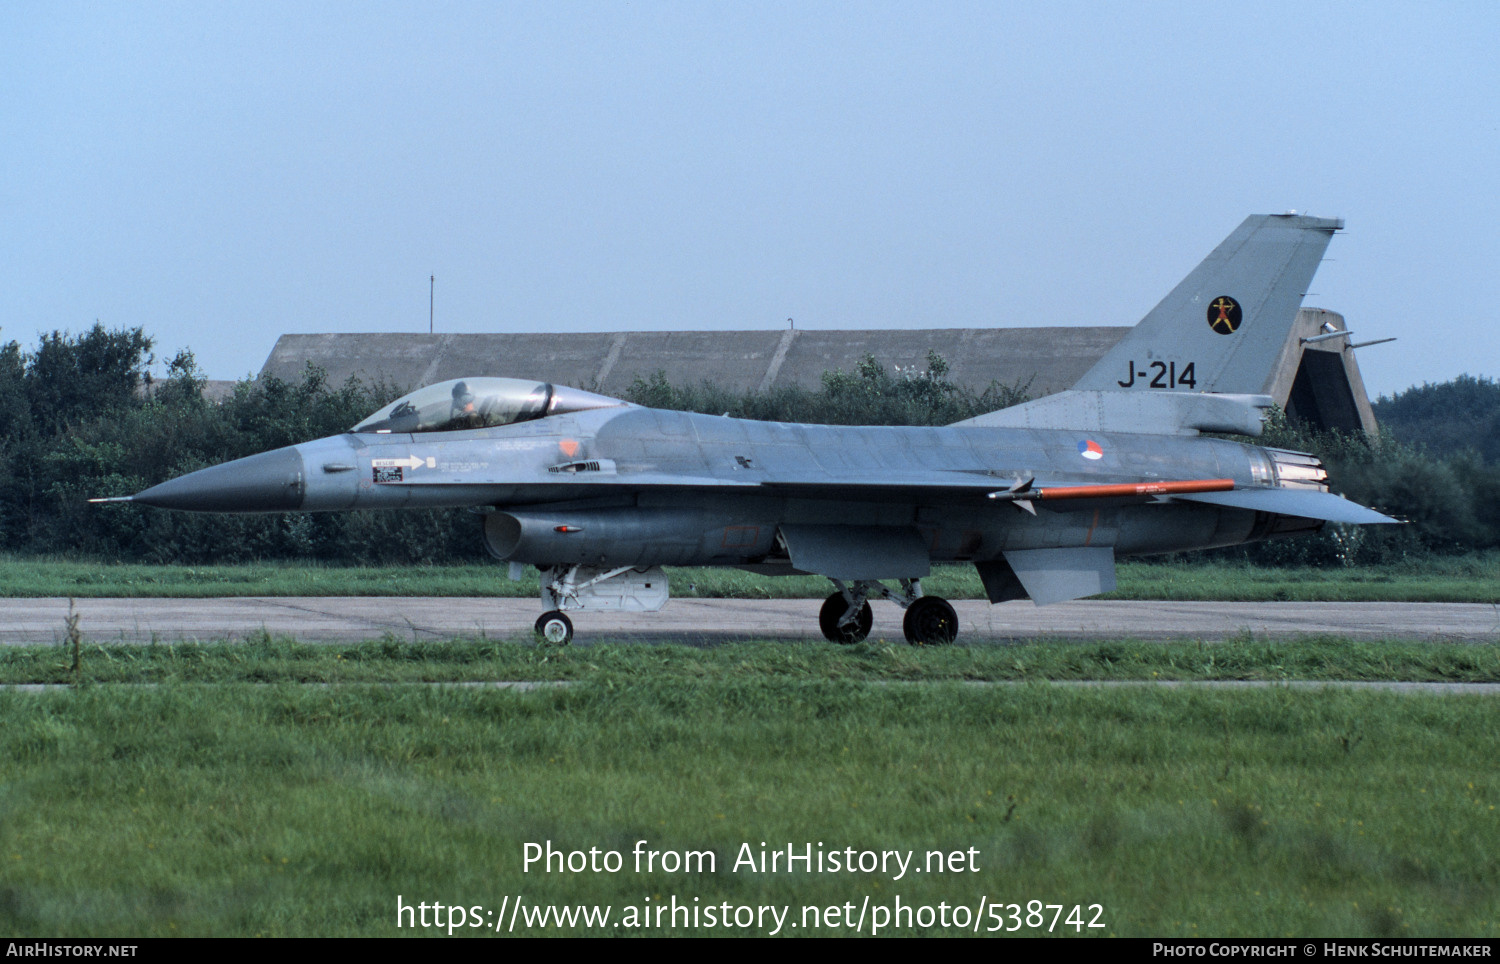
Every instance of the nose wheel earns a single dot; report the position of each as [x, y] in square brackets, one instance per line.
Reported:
[555, 628]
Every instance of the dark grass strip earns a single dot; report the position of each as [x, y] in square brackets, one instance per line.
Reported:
[269, 660]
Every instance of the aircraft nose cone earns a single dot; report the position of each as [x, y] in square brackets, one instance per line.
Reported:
[269, 482]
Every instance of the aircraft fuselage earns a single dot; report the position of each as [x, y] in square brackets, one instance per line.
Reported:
[711, 490]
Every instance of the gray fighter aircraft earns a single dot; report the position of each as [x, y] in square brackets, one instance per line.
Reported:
[1042, 498]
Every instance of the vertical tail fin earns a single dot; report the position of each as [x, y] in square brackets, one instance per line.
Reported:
[1223, 329]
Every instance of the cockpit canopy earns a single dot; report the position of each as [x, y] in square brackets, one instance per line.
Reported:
[465, 403]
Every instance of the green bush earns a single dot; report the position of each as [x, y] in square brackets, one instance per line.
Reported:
[83, 418]
[1447, 418]
[1452, 503]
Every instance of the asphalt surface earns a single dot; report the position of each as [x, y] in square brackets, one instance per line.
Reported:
[710, 621]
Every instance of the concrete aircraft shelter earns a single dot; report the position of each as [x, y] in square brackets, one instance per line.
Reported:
[1318, 383]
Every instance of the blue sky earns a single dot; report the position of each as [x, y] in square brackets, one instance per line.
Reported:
[222, 173]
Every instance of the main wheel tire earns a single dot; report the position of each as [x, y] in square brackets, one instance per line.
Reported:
[833, 610]
[554, 628]
[930, 621]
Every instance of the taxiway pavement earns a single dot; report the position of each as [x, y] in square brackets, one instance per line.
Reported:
[706, 621]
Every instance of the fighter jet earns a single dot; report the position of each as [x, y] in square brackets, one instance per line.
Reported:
[1042, 498]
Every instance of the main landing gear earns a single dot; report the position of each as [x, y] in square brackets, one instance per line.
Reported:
[846, 616]
[930, 621]
[844, 622]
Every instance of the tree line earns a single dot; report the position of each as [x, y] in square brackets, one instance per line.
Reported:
[81, 416]
[1447, 418]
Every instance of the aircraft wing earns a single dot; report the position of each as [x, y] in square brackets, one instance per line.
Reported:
[939, 483]
[1302, 503]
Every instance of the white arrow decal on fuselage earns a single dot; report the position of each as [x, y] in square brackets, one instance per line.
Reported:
[410, 462]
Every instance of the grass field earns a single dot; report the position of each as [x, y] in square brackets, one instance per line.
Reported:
[229, 797]
[268, 660]
[1471, 578]
[292, 810]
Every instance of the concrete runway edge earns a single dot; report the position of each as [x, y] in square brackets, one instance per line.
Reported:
[346, 619]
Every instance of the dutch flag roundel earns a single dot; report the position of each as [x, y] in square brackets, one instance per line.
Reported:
[1090, 449]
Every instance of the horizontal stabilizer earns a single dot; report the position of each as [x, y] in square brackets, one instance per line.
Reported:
[857, 552]
[1303, 503]
[1057, 575]
[1154, 413]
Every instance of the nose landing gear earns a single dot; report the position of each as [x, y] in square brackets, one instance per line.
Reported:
[619, 589]
[555, 628]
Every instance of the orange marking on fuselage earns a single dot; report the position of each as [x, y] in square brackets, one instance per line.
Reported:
[569, 447]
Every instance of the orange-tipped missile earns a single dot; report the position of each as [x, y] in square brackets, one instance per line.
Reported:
[1022, 494]
[1133, 488]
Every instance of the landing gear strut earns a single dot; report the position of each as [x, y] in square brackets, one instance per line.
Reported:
[846, 617]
